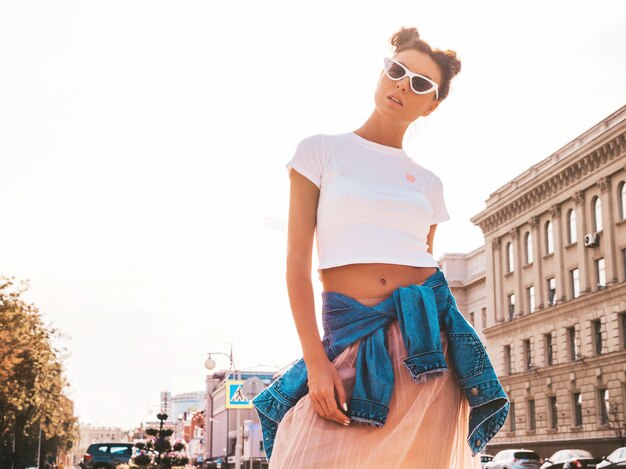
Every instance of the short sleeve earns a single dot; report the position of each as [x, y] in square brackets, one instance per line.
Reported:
[440, 211]
[310, 159]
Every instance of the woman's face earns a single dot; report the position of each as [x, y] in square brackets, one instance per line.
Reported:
[412, 105]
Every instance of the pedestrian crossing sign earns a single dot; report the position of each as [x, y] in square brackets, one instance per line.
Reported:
[235, 398]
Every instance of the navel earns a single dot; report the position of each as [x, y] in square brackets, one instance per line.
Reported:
[383, 280]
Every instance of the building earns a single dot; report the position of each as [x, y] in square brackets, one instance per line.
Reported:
[185, 403]
[554, 312]
[221, 422]
[466, 277]
[95, 434]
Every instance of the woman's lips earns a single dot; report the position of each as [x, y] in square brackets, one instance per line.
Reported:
[395, 100]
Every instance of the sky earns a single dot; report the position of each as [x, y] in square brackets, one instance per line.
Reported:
[143, 146]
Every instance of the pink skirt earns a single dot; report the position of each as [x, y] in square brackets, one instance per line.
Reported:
[426, 426]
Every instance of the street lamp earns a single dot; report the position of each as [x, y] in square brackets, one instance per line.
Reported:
[209, 364]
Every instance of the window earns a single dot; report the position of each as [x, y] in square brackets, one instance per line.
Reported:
[483, 314]
[532, 421]
[511, 417]
[509, 258]
[596, 208]
[471, 318]
[621, 199]
[553, 410]
[596, 328]
[507, 360]
[571, 226]
[603, 406]
[624, 260]
[511, 304]
[530, 296]
[549, 351]
[551, 291]
[577, 404]
[527, 355]
[571, 343]
[121, 450]
[528, 243]
[549, 238]
[623, 320]
[601, 272]
[574, 278]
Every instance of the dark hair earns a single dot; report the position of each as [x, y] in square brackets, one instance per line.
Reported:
[447, 60]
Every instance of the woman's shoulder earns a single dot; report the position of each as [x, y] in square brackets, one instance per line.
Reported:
[324, 138]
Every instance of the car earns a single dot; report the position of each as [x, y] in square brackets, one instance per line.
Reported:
[616, 459]
[515, 459]
[571, 459]
[106, 455]
[484, 459]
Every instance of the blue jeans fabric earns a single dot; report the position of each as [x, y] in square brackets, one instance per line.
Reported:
[422, 312]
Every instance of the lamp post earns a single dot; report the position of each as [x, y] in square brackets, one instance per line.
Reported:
[209, 364]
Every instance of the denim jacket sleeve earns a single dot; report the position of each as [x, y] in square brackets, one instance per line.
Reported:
[274, 401]
[477, 379]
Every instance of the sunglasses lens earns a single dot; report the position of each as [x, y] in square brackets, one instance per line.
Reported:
[421, 85]
[394, 70]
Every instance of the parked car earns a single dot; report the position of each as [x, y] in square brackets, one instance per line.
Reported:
[616, 459]
[515, 459]
[106, 455]
[485, 458]
[571, 459]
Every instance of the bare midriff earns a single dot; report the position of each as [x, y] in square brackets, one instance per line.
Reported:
[372, 281]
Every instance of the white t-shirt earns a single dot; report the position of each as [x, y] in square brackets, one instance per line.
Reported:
[376, 204]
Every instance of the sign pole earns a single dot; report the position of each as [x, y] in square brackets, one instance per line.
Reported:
[238, 444]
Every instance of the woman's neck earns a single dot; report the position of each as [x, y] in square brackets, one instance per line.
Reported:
[382, 131]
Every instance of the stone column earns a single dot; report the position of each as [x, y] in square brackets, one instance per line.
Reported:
[537, 260]
[494, 282]
[559, 245]
[581, 231]
[607, 238]
[517, 270]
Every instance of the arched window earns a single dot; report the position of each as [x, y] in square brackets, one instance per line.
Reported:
[549, 238]
[621, 199]
[596, 207]
[528, 243]
[571, 226]
[509, 257]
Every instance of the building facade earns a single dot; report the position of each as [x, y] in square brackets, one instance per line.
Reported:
[554, 316]
[97, 434]
[466, 276]
[221, 422]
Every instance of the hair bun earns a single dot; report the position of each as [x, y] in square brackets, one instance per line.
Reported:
[404, 36]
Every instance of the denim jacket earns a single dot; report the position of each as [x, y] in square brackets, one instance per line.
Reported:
[422, 312]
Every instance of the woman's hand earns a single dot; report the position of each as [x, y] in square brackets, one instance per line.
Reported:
[326, 391]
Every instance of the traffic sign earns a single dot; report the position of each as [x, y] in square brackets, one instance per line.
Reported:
[235, 397]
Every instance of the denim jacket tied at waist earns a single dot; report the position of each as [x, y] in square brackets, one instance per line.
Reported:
[422, 312]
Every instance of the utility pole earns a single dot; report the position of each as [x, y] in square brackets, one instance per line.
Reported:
[39, 448]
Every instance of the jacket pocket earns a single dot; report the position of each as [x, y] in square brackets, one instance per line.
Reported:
[468, 355]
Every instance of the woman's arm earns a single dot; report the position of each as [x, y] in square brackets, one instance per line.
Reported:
[324, 379]
[303, 199]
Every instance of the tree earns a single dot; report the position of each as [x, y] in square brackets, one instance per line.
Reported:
[32, 383]
[158, 452]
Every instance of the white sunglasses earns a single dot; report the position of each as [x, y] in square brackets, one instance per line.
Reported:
[419, 83]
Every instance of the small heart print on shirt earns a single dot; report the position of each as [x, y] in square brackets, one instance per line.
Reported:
[410, 177]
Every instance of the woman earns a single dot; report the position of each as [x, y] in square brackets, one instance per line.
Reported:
[375, 212]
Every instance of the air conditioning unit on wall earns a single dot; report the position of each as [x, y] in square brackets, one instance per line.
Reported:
[592, 239]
